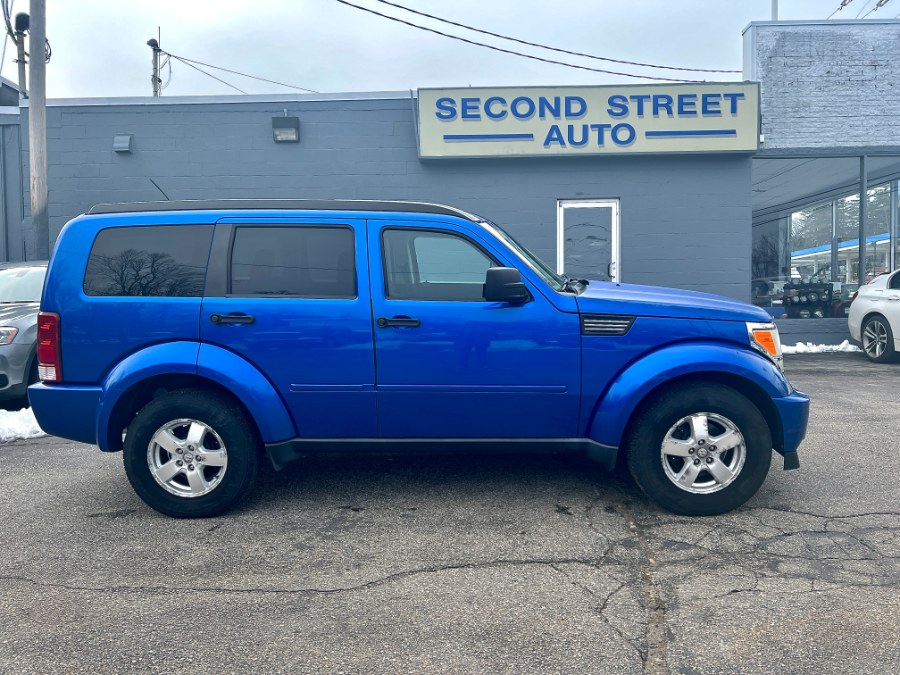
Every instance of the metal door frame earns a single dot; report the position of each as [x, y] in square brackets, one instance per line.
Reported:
[613, 204]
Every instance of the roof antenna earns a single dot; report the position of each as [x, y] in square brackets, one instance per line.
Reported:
[158, 188]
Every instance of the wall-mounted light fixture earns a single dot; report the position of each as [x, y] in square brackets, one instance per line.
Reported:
[286, 129]
[122, 142]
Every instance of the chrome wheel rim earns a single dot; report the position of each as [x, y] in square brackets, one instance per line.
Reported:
[875, 338]
[703, 453]
[187, 458]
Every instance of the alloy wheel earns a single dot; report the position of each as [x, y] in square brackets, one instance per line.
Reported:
[875, 338]
[703, 453]
[187, 458]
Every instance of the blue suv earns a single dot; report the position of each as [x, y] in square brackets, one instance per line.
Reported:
[199, 337]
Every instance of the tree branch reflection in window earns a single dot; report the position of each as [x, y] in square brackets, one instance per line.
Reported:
[149, 261]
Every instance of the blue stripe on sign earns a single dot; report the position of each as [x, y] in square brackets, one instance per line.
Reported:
[488, 137]
[695, 132]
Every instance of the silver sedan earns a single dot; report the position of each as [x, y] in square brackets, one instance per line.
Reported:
[21, 285]
[874, 317]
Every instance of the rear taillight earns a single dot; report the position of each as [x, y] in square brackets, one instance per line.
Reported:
[48, 351]
[855, 293]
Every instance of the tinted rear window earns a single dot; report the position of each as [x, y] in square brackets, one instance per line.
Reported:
[165, 261]
[303, 261]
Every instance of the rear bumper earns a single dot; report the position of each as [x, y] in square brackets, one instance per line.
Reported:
[793, 410]
[66, 410]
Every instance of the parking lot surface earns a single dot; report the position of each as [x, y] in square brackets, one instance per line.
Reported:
[467, 564]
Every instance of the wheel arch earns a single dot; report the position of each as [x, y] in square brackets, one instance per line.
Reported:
[751, 391]
[137, 396]
[870, 314]
[145, 375]
[748, 373]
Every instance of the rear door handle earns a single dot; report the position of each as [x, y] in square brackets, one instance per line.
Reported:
[231, 318]
[384, 322]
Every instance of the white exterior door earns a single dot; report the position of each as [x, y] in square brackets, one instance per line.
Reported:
[587, 239]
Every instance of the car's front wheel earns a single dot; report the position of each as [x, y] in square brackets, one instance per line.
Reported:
[700, 449]
[191, 453]
[877, 339]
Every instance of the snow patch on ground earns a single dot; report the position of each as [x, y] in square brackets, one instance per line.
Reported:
[810, 348]
[19, 424]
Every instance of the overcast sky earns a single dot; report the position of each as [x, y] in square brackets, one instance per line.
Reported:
[99, 46]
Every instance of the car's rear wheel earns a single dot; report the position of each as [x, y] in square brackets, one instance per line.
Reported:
[699, 449]
[877, 339]
[191, 453]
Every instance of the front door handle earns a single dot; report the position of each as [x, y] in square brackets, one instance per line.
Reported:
[219, 319]
[384, 322]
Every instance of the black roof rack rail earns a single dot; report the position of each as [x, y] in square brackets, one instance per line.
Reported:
[283, 204]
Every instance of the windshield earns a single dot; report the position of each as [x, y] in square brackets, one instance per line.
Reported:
[21, 284]
[539, 266]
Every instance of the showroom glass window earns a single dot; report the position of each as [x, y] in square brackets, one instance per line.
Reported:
[819, 244]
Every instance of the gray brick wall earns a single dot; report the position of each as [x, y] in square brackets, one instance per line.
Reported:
[826, 85]
[685, 220]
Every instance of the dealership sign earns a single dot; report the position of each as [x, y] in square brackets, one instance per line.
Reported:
[541, 121]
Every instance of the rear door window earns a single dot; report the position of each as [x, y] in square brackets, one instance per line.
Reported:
[167, 261]
[296, 261]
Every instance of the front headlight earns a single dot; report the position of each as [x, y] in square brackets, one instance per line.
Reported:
[764, 338]
[7, 334]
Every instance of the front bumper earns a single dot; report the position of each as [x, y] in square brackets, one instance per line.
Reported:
[793, 413]
[66, 410]
[14, 361]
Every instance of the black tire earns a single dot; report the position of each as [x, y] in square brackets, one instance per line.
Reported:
[226, 433]
[658, 421]
[877, 339]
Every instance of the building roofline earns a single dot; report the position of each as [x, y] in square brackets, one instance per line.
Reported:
[819, 22]
[201, 100]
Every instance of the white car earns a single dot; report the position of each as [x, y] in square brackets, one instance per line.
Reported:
[875, 317]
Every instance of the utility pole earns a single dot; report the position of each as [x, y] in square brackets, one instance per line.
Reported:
[21, 21]
[37, 129]
[774, 10]
[154, 79]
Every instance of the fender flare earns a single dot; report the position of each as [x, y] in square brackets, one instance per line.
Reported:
[626, 392]
[225, 368]
[251, 387]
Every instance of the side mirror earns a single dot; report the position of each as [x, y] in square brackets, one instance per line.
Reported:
[504, 284]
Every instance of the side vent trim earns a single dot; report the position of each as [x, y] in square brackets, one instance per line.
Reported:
[606, 324]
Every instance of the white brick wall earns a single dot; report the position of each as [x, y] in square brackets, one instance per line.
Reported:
[826, 85]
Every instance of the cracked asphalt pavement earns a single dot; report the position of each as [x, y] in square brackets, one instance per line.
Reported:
[467, 564]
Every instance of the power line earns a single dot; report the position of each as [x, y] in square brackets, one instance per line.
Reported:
[7, 9]
[863, 8]
[7, 15]
[235, 72]
[510, 51]
[552, 49]
[228, 84]
[878, 5]
[167, 62]
[843, 4]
